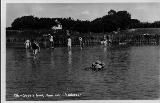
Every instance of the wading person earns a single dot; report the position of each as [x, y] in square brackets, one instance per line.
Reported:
[105, 40]
[80, 41]
[109, 39]
[35, 48]
[27, 44]
[69, 43]
[51, 41]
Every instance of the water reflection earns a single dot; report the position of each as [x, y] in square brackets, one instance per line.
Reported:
[69, 56]
[52, 59]
[28, 53]
[105, 49]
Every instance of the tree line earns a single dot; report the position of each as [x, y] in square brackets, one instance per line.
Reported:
[113, 21]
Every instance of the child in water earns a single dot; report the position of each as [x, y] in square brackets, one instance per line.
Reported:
[27, 44]
[35, 48]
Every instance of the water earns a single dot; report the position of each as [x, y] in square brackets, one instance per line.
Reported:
[130, 73]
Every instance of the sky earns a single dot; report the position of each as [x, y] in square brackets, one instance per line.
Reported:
[145, 12]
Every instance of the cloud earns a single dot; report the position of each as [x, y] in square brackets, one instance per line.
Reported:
[86, 12]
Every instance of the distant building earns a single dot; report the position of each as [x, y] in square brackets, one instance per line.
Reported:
[58, 27]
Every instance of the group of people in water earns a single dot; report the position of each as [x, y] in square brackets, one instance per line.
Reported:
[34, 46]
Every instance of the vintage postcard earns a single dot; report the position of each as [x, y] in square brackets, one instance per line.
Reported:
[80, 51]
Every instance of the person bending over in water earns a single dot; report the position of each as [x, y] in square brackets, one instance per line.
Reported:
[35, 48]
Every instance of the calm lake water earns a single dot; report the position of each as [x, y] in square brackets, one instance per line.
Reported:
[130, 73]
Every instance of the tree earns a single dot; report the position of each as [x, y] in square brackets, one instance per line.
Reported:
[113, 21]
[134, 23]
[123, 19]
[111, 12]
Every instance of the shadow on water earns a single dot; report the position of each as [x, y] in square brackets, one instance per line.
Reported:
[129, 73]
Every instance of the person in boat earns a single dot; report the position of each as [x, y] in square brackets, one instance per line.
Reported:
[35, 48]
[27, 44]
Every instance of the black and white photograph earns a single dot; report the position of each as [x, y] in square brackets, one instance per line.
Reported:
[71, 51]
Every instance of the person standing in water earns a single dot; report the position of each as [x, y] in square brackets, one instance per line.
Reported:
[51, 41]
[69, 43]
[109, 40]
[80, 41]
[35, 48]
[69, 40]
[27, 44]
[105, 40]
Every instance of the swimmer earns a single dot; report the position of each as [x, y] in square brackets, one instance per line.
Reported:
[98, 65]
